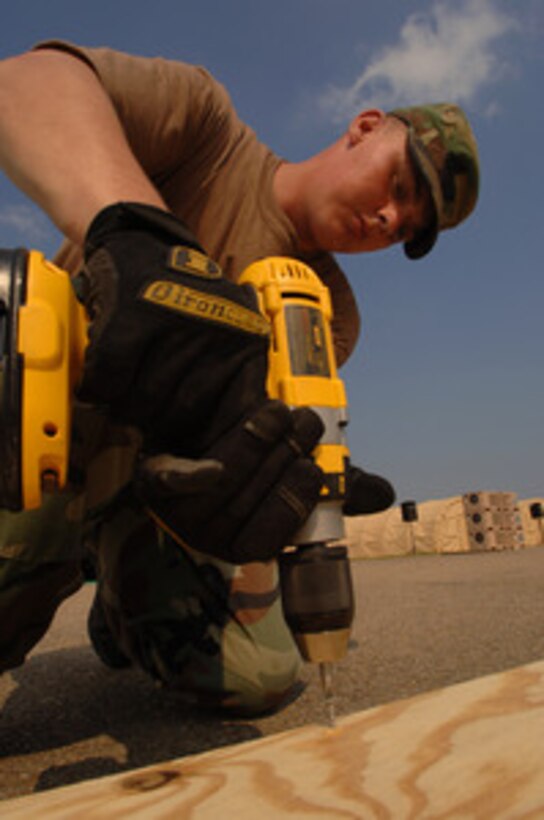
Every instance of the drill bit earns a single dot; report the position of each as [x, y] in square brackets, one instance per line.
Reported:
[325, 673]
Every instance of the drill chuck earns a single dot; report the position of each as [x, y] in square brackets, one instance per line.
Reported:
[318, 601]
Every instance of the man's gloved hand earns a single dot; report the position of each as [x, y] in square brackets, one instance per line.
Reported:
[248, 495]
[367, 493]
[174, 348]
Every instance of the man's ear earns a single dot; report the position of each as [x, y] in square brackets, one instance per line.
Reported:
[363, 123]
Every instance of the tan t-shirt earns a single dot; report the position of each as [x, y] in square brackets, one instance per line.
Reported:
[211, 169]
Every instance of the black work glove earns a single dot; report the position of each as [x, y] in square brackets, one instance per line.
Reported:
[367, 493]
[174, 348]
[248, 495]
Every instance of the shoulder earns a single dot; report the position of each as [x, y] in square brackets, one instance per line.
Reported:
[174, 114]
[124, 74]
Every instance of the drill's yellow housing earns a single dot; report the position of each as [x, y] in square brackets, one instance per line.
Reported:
[298, 305]
[302, 368]
[51, 338]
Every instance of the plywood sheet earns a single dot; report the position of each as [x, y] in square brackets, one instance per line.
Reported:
[470, 750]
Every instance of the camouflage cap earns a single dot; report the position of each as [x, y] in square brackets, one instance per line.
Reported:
[444, 152]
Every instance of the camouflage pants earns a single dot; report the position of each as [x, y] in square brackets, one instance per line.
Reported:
[211, 630]
[39, 568]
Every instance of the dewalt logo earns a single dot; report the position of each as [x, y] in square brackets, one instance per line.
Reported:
[195, 303]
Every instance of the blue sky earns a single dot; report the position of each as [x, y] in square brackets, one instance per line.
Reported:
[446, 386]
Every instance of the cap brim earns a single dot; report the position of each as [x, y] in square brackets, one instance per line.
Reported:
[421, 244]
[424, 241]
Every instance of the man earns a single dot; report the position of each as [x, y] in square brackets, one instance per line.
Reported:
[116, 150]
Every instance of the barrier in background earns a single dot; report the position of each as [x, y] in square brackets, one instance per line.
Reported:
[448, 525]
[531, 511]
[409, 514]
[493, 521]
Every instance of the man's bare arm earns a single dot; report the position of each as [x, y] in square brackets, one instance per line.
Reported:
[61, 141]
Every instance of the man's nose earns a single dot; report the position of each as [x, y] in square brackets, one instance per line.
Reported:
[390, 219]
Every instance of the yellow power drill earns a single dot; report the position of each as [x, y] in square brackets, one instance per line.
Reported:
[43, 335]
[315, 574]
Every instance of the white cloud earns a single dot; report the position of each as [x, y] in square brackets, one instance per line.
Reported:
[448, 53]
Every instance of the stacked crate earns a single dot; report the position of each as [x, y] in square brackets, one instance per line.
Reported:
[493, 521]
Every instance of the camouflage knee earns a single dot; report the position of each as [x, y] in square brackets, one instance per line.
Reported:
[211, 630]
[260, 661]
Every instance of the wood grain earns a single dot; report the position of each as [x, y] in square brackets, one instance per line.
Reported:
[474, 750]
